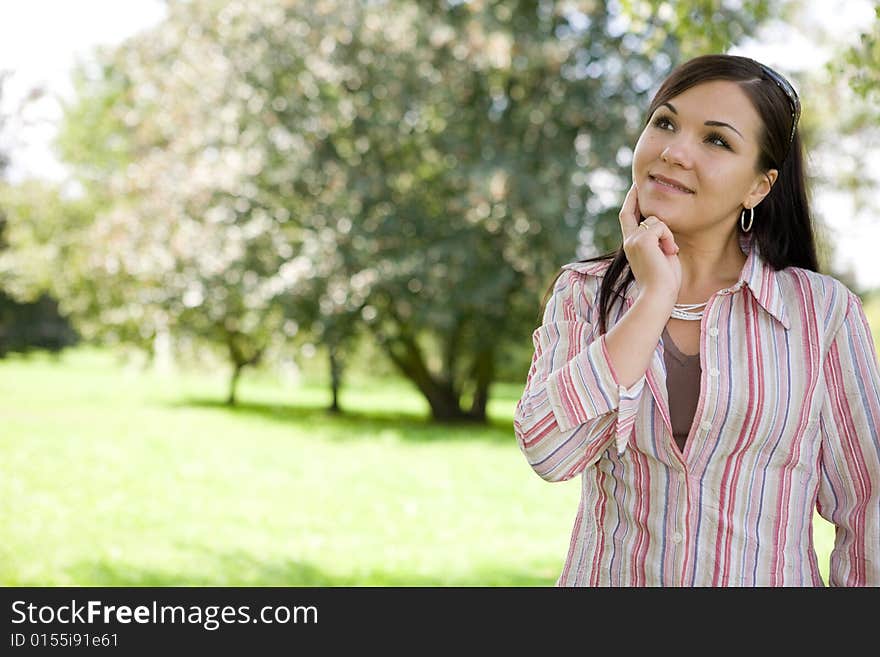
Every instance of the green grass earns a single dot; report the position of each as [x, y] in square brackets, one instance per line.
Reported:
[114, 478]
[110, 477]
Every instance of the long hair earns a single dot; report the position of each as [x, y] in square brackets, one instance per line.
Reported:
[782, 228]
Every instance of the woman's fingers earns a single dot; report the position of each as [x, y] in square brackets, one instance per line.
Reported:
[667, 241]
[629, 222]
[629, 217]
[664, 235]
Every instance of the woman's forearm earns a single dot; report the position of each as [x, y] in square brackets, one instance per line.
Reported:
[632, 341]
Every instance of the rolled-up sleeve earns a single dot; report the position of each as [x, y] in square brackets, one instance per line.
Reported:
[849, 486]
[572, 406]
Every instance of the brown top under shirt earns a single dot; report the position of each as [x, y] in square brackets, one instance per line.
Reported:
[682, 387]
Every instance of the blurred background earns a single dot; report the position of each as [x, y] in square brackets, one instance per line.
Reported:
[269, 269]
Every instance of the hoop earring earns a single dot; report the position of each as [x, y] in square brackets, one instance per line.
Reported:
[742, 218]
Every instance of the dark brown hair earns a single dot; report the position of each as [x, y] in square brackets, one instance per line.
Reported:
[782, 227]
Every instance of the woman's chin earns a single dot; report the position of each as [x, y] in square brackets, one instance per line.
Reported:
[653, 210]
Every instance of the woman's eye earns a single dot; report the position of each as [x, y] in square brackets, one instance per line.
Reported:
[717, 139]
[662, 122]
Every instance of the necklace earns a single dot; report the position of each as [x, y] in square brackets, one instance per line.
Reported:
[689, 311]
[694, 311]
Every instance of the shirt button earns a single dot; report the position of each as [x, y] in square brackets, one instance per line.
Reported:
[713, 331]
[714, 372]
[705, 425]
[676, 537]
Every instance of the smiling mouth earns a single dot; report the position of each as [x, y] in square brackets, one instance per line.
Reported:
[670, 185]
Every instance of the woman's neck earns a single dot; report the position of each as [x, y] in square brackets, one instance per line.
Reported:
[708, 267]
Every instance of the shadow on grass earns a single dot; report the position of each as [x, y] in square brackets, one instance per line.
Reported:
[239, 568]
[349, 425]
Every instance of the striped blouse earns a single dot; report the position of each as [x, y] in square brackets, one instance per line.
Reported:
[788, 421]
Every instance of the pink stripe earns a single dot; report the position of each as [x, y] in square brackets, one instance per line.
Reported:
[645, 518]
[859, 477]
[599, 514]
[608, 358]
[777, 566]
[637, 513]
[573, 543]
[744, 439]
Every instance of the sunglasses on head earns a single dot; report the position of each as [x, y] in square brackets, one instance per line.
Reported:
[789, 91]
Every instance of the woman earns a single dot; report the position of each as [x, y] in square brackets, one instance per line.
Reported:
[709, 386]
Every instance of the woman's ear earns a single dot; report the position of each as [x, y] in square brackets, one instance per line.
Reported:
[763, 184]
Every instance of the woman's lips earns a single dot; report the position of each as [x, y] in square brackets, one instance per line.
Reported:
[664, 187]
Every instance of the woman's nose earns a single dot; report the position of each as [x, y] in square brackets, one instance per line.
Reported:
[675, 154]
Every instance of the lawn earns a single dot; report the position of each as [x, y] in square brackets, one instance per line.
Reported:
[115, 477]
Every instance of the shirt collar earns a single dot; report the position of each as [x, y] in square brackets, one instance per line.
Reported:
[763, 281]
[757, 274]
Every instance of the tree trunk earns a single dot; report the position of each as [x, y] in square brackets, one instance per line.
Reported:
[442, 395]
[445, 406]
[483, 373]
[239, 360]
[335, 379]
[233, 383]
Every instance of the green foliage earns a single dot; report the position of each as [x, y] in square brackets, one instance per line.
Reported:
[415, 170]
[707, 26]
[847, 130]
[4, 156]
[32, 325]
[94, 138]
[53, 242]
[482, 144]
[862, 61]
[29, 318]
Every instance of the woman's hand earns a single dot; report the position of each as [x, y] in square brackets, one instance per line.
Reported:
[652, 253]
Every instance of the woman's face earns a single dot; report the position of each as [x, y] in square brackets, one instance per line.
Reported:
[715, 162]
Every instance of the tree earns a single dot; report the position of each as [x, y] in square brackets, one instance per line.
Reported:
[415, 169]
[185, 241]
[862, 61]
[479, 144]
[853, 74]
[29, 318]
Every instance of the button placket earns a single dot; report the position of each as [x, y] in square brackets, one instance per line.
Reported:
[677, 536]
[714, 372]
